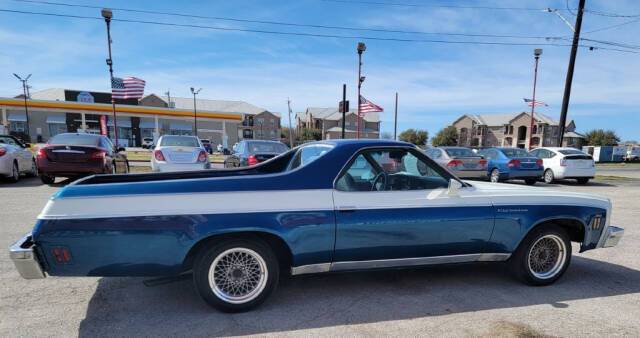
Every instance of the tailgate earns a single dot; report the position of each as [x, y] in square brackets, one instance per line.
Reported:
[579, 161]
[70, 154]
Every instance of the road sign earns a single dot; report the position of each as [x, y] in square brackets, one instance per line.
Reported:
[340, 107]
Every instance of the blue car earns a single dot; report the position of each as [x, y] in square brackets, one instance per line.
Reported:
[335, 205]
[512, 164]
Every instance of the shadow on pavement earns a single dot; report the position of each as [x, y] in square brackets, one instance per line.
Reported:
[124, 307]
[26, 182]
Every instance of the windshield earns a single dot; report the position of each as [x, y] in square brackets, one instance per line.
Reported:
[76, 139]
[266, 147]
[205, 141]
[459, 152]
[516, 153]
[179, 141]
[8, 140]
[570, 152]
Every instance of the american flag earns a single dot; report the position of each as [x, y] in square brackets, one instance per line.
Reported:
[367, 106]
[127, 88]
[529, 102]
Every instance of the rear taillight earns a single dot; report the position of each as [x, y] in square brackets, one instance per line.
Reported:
[483, 163]
[40, 153]
[99, 154]
[252, 160]
[563, 162]
[202, 157]
[454, 163]
[539, 162]
[158, 155]
[513, 163]
[3, 151]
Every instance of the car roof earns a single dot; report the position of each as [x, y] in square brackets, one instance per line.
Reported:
[78, 134]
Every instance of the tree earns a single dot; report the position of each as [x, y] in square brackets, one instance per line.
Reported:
[284, 135]
[386, 135]
[309, 135]
[446, 137]
[600, 137]
[415, 136]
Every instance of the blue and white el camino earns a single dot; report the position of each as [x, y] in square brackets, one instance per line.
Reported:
[322, 207]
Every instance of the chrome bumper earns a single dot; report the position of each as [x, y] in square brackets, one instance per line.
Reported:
[612, 236]
[25, 260]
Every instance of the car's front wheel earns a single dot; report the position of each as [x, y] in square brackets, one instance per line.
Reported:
[236, 275]
[548, 176]
[543, 256]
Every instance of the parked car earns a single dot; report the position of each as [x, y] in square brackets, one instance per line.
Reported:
[208, 147]
[79, 154]
[252, 152]
[179, 153]
[16, 158]
[324, 206]
[147, 142]
[567, 163]
[633, 154]
[463, 162]
[512, 163]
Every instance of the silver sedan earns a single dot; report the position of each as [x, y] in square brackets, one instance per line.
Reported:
[15, 159]
[462, 161]
[179, 153]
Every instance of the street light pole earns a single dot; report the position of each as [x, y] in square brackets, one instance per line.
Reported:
[290, 128]
[26, 109]
[107, 15]
[361, 48]
[195, 118]
[536, 52]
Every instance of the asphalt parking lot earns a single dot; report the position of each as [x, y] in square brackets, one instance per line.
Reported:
[598, 296]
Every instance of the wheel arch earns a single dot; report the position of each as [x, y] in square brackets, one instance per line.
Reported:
[575, 227]
[280, 247]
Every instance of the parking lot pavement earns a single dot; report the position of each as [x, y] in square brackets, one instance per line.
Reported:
[598, 296]
[622, 170]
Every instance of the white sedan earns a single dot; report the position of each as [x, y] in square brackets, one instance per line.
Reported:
[179, 153]
[560, 163]
[15, 159]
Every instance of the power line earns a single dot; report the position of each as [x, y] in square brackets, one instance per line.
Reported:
[310, 34]
[612, 26]
[291, 24]
[399, 4]
[611, 15]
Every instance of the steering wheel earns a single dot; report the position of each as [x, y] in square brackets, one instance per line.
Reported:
[382, 177]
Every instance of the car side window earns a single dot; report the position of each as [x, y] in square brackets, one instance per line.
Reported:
[307, 155]
[489, 154]
[551, 154]
[391, 170]
[437, 153]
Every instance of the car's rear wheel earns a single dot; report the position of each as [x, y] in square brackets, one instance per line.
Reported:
[548, 176]
[530, 181]
[15, 173]
[582, 180]
[47, 179]
[236, 275]
[543, 256]
[494, 176]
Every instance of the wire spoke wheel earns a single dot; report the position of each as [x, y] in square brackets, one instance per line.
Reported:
[238, 275]
[547, 256]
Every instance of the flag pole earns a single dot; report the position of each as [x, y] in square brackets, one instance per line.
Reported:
[395, 124]
[107, 14]
[361, 48]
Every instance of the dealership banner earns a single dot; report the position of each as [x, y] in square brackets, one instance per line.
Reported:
[103, 125]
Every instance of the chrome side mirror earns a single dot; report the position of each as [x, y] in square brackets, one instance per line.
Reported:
[454, 186]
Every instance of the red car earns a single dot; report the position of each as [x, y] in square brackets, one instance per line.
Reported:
[75, 154]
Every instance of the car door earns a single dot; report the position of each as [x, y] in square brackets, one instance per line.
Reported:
[392, 204]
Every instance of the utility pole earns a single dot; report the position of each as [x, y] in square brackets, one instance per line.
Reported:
[290, 128]
[344, 106]
[195, 117]
[572, 61]
[395, 124]
[168, 93]
[536, 52]
[107, 15]
[25, 89]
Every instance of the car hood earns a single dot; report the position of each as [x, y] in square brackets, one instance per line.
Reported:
[511, 194]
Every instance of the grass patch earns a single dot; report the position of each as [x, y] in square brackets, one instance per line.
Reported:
[618, 164]
[614, 178]
[139, 169]
[141, 156]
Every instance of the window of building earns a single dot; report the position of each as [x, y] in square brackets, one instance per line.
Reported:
[56, 128]
[272, 133]
[18, 126]
[273, 122]
[535, 129]
[510, 130]
[347, 123]
[260, 120]
[247, 133]
[506, 129]
[260, 133]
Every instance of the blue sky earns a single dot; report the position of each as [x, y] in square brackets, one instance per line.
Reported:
[436, 82]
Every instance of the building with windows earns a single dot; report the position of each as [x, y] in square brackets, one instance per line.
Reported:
[257, 122]
[328, 121]
[513, 130]
[55, 111]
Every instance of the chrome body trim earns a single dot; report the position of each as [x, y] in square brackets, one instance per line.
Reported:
[399, 262]
[68, 151]
[612, 237]
[25, 260]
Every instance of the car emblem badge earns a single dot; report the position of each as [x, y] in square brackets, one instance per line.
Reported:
[68, 148]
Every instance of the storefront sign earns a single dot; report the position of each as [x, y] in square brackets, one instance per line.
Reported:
[85, 97]
[103, 125]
